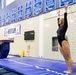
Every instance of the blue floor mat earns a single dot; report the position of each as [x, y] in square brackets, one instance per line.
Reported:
[36, 66]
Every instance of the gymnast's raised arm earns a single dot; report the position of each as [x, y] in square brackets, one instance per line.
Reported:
[65, 15]
[58, 17]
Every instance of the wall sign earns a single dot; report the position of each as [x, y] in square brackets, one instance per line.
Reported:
[12, 31]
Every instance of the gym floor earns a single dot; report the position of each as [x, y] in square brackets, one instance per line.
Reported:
[33, 66]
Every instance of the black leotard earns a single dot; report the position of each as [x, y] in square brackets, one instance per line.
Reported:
[62, 30]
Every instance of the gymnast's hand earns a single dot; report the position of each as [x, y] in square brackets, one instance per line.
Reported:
[58, 14]
[66, 6]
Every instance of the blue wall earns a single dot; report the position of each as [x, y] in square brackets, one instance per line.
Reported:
[23, 9]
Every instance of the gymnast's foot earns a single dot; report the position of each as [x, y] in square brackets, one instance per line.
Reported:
[68, 71]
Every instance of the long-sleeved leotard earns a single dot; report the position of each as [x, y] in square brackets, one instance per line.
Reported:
[62, 30]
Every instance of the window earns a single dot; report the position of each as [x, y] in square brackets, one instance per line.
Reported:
[54, 44]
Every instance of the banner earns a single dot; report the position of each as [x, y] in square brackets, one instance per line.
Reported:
[62, 2]
[20, 12]
[28, 9]
[8, 18]
[37, 7]
[22, 9]
[3, 21]
[12, 31]
[49, 5]
[14, 15]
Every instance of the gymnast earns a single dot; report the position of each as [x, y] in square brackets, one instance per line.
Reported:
[63, 43]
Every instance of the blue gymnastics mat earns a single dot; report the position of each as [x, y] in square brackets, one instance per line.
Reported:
[35, 66]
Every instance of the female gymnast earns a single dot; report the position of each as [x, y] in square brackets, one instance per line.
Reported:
[63, 44]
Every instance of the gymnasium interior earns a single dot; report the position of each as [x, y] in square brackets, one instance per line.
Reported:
[28, 37]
